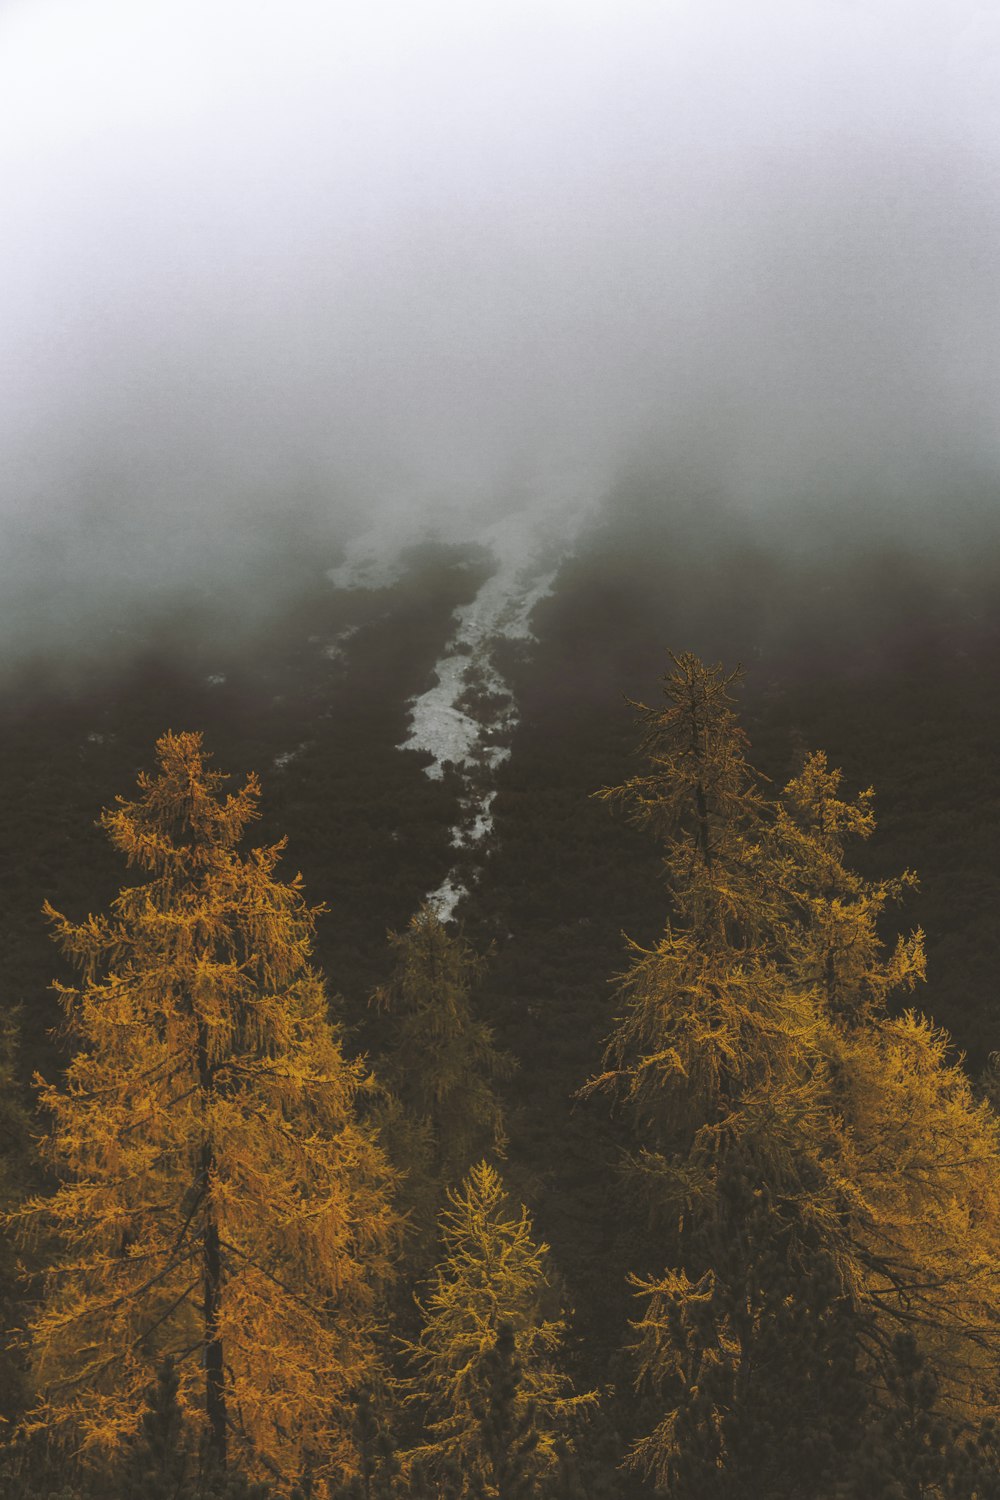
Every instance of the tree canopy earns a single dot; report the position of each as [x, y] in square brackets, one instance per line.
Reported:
[488, 1373]
[221, 1301]
[441, 1067]
[815, 1164]
[221, 1200]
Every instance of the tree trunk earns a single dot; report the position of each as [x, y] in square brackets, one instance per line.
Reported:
[215, 1388]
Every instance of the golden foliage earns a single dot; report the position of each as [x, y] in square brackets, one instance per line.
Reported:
[792, 1134]
[220, 1200]
[493, 1273]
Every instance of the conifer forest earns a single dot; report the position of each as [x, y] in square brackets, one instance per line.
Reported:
[650, 1170]
[499, 750]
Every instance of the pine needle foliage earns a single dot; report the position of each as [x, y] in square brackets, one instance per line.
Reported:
[221, 1201]
[443, 1109]
[445, 1059]
[15, 1165]
[161, 1465]
[487, 1360]
[815, 1165]
[508, 1425]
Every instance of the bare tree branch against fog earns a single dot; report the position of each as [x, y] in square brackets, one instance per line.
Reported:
[265, 268]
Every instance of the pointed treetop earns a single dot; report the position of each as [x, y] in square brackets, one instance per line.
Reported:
[181, 810]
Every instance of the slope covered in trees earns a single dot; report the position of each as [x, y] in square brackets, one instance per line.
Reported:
[821, 1174]
[824, 1059]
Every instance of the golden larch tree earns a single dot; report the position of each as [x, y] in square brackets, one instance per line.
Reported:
[488, 1359]
[222, 1201]
[818, 1171]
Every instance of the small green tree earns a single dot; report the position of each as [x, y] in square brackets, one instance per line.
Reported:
[442, 1067]
[161, 1465]
[508, 1424]
[487, 1360]
[379, 1462]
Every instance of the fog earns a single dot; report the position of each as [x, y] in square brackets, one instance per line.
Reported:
[267, 270]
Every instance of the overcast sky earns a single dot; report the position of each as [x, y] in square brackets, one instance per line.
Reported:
[264, 259]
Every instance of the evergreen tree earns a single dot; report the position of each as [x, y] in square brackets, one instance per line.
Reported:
[221, 1202]
[508, 1425]
[443, 1111]
[487, 1360]
[444, 1060]
[379, 1464]
[33, 1469]
[818, 1171]
[161, 1465]
[912, 1453]
[976, 1465]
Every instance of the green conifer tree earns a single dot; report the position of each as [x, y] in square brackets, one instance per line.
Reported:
[378, 1460]
[508, 1424]
[976, 1466]
[443, 1110]
[161, 1465]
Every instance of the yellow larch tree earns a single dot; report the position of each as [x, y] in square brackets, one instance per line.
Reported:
[488, 1359]
[222, 1201]
[819, 1173]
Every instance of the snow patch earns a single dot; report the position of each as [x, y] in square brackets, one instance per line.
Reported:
[336, 650]
[466, 718]
[286, 757]
[376, 558]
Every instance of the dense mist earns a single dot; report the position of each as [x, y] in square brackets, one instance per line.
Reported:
[267, 271]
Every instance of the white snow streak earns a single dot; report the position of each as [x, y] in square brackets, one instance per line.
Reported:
[467, 717]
